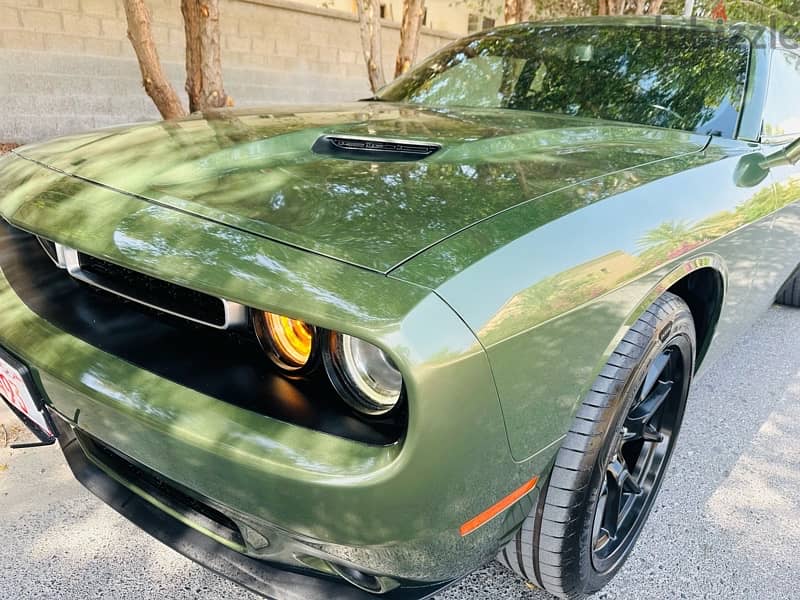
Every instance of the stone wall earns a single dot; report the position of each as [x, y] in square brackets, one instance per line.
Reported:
[67, 66]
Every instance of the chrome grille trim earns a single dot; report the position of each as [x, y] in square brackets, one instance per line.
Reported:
[55, 254]
[235, 314]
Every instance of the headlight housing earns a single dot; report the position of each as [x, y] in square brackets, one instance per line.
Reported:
[363, 374]
[290, 343]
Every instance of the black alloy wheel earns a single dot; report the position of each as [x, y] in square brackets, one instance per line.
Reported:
[589, 513]
[639, 458]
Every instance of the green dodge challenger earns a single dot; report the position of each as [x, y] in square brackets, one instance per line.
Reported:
[361, 350]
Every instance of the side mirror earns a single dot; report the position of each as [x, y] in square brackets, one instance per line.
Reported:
[754, 168]
[788, 156]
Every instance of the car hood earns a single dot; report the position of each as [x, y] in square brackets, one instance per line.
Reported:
[256, 171]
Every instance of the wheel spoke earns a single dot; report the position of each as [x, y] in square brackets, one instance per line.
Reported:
[649, 407]
[612, 510]
[631, 486]
[651, 434]
[654, 374]
[620, 482]
[632, 432]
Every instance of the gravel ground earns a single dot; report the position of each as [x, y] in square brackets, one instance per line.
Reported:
[727, 523]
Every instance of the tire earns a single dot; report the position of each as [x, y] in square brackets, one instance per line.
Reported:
[565, 545]
[790, 292]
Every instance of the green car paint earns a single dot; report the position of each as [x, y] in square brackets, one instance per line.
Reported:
[499, 274]
[522, 312]
[256, 172]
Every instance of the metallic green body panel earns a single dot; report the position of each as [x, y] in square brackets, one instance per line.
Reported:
[499, 274]
[549, 320]
[257, 172]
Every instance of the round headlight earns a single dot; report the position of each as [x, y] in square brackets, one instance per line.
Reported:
[364, 375]
[288, 342]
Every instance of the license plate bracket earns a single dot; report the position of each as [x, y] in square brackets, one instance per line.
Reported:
[21, 394]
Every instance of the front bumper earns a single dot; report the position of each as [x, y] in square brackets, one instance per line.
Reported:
[269, 580]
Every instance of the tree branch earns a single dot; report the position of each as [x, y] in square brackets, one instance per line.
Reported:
[370, 27]
[154, 80]
[409, 35]
[203, 63]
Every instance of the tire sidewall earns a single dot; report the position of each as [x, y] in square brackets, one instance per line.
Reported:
[676, 329]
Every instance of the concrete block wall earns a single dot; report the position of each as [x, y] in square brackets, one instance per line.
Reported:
[67, 66]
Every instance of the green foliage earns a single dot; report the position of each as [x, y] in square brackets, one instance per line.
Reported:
[488, 8]
[671, 233]
[612, 73]
[780, 14]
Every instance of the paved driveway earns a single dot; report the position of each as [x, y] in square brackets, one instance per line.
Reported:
[727, 523]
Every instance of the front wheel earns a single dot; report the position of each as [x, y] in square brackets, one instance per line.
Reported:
[789, 294]
[611, 463]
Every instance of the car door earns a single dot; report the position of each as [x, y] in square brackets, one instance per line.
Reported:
[781, 125]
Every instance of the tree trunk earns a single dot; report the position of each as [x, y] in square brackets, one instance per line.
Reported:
[602, 7]
[510, 10]
[370, 26]
[155, 82]
[640, 7]
[655, 7]
[203, 64]
[409, 35]
[525, 10]
[517, 11]
[688, 9]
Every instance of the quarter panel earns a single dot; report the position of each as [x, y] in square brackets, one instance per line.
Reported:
[551, 304]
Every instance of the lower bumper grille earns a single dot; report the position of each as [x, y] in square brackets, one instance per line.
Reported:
[201, 515]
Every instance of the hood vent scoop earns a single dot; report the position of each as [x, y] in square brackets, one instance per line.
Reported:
[373, 149]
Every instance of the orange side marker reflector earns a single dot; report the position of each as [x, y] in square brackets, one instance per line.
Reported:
[494, 510]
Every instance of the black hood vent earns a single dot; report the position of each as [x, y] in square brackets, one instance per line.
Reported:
[373, 149]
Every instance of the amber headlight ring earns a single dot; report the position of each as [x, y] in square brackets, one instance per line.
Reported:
[291, 344]
[364, 375]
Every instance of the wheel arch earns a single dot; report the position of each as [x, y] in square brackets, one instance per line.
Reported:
[703, 291]
[701, 282]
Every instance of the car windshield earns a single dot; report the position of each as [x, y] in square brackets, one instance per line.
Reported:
[665, 77]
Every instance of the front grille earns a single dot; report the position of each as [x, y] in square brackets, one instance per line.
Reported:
[157, 294]
[225, 364]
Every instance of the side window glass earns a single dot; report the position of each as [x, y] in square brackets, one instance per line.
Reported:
[782, 113]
